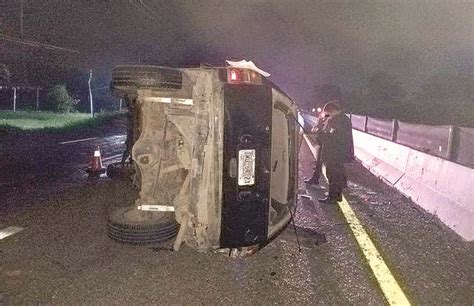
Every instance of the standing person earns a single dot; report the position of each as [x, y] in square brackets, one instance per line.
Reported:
[337, 149]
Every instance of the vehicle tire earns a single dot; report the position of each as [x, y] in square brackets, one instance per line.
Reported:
[128, 225]
[119, 171]
[127, 79]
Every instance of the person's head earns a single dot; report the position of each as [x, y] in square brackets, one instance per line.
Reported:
[332, 108]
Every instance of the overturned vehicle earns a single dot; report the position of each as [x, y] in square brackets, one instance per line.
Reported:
[215, 157]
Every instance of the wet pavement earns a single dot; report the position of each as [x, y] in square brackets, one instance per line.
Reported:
[36, 165]
[63, 255]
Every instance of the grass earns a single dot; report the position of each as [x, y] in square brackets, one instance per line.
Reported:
[48, 121]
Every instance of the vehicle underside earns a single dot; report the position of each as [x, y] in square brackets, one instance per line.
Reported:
[215, 161]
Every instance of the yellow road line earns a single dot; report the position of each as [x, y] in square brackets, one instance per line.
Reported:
[390, 288]
[387, 282]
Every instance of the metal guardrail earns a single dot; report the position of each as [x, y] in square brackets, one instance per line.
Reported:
[380, 127]
[464, 146]
[433, 140]
[449, 142]
[359, 122]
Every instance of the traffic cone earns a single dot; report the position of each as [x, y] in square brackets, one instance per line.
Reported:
[96, 168]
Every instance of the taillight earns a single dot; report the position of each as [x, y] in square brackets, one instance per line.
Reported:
[234, 76]
[243, 76]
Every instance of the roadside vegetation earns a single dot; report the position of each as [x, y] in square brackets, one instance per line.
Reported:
[49, 121]
[60, 101]
[58, 113]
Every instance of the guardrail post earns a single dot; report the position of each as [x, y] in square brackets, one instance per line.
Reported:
[394, 130]
[451, 151]
[365, 124]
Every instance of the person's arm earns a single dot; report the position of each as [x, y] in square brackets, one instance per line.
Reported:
[327, 131]
[317, 129]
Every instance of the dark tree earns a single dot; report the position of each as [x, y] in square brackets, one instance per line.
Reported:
[445, 99]
[385, 95]
[59, 100]
[4, 73]
[325, 93]
[329, 92]
[382, 96]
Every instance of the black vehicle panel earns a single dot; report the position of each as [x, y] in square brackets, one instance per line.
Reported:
[247, 125]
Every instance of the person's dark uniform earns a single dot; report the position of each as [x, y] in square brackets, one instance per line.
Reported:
[337, 149]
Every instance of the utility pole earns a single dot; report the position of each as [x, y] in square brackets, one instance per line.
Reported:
[14, 99]
[21, 19]
[90, 94]
[37, 98]
[22, 35]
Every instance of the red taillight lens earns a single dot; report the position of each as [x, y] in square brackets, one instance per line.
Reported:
[243, 76]
[254, 77]
[233, 75]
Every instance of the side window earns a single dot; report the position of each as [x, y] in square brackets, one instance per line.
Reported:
[280, 171]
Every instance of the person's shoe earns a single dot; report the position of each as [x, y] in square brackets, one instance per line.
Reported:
[331, 199]
[312, 181]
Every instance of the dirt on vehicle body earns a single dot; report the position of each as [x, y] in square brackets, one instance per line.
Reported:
[215, 149]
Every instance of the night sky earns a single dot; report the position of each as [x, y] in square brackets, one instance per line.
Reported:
[301, 43]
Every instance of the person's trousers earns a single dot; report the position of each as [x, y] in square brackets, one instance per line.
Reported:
[336, 174]
[318, 165]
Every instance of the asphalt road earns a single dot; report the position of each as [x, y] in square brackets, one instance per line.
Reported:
[63, 255]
